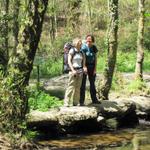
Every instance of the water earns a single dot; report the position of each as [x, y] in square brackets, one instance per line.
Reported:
[123, 139]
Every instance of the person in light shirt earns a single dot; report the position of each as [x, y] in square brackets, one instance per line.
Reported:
[76, 62]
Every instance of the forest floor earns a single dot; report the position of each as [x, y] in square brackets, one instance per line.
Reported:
[5, 142]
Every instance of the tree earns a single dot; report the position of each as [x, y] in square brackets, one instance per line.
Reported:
[14, 104]
[73, 14]
[112, 49]
[16, 6]
[53, 19]
[4, 51]
[140, 43]
[90, 16]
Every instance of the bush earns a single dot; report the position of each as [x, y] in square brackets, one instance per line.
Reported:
[39, 100]
[127, 39]
[126, 61]
[136, 86]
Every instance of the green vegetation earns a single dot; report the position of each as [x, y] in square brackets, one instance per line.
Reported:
[125, 63]
[24, 42]
[39, 100]
[136, 86]
[48, 68]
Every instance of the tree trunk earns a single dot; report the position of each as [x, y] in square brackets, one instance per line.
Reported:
[112, 49]
[90, 16]
[52, 21]
[73, 15]
[52, 30]
[16, 24]
[4, 51]
[6, 27]
[20, 65]
[140, 43]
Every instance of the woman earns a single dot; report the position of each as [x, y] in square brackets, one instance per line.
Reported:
[90, 50]
[76, 62]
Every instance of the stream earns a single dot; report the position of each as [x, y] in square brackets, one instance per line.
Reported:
[123, 139]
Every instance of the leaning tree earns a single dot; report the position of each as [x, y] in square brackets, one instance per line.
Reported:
[112, 49]
[13, 100]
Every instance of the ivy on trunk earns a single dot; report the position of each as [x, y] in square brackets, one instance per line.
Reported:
[15, 103]
[112, 49]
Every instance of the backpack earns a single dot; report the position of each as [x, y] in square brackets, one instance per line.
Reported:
[67, 48]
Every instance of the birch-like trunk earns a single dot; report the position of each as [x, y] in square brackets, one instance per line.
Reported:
[140, 43]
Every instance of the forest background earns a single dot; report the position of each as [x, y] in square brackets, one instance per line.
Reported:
[63, 21]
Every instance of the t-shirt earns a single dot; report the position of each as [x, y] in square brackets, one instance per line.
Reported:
[77, 58]
[90, 53]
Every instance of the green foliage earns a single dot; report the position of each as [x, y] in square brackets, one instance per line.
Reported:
[147, 39]
[101, 62]
[146, 64]
[136, 86]
[10, 108]
[126, 61]
[47, 68]
[50, 57]
[41, 101]
[118, 81]
[31, 134]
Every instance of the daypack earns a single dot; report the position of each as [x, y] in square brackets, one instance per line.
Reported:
[67, 48]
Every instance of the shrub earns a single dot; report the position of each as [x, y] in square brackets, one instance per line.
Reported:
[136, 86]
[39, 100]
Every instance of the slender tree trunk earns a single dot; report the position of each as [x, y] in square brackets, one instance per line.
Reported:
[112, 49]
[16, 24]
[4, 51]
[90, 16]
[52, 30]
[6, 27]
[53, 27]
[20, 65]
[73, 15]
[56, 31]
[140, 43]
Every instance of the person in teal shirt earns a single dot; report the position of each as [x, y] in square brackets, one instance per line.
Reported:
[90, 50]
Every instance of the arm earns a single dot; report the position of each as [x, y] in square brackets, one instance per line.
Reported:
[95, 64]
[95, 51]
[84, 64]
[70, 64]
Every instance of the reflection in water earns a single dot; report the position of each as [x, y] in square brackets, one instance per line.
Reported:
[128, 139]
[141, 140]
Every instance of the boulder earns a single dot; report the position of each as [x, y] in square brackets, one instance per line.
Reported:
[107, 115]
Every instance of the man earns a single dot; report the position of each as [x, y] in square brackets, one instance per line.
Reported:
[90, 50]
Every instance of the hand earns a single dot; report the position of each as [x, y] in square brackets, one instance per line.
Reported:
[74, 72]
[85, 70]
[94, 72]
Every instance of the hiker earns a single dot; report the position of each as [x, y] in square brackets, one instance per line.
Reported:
[90, 50]
[76, 62]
